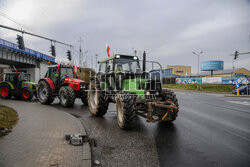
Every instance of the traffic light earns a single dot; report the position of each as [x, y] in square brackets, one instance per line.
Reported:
[69, 55]
[236, 55]
[20, 42]
[53, 50]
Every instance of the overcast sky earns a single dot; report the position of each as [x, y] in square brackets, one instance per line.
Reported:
[168, 30]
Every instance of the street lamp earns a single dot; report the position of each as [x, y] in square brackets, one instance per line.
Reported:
[198, 54]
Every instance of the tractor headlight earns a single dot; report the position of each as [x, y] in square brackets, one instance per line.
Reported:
[157, 93]
[82, 86]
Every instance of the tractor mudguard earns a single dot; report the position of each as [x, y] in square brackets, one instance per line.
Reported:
[50, 82]
[11, 86]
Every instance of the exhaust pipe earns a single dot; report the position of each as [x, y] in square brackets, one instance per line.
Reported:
[144, 62]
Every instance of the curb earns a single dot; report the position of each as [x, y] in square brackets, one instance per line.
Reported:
[242, 96]
[86, 151]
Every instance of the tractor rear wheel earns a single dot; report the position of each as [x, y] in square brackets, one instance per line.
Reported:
[125, 112]
[98, 104]
[5, 91]
[67, 96]
[27, 94]
[44, 93]
[170, 95]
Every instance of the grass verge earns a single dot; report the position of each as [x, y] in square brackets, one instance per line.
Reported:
[8, 118]
[202, 87]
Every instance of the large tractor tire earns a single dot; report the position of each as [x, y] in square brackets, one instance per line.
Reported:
[27, 94]
[5, 91]
[98, 104]
[67, 96]
[44, 93]
[170, 95]
[125, 112]
[84, 98]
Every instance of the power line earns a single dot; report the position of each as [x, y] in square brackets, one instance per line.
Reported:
[13, 20]
[39, 36]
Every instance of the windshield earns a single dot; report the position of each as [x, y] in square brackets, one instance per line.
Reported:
[127, 65]
[67, 72]
[24, 77]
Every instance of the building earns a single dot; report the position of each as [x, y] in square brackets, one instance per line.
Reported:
[179, 70]
[28, 61]
[227, 73]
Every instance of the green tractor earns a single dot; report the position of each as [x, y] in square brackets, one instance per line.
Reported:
[136, 92]
[17, 85]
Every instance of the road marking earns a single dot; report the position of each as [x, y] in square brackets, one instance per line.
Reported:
[247, 103]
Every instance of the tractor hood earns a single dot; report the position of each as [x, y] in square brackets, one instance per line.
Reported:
[27, 83]
[73, 80]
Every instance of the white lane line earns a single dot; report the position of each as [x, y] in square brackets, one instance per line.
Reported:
[247, 103]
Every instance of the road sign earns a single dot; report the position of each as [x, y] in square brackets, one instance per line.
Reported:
[237, 85]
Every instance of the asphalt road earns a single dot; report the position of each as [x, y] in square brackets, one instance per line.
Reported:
[211, 130]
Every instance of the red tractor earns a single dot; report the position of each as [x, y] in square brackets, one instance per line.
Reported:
[59, 81]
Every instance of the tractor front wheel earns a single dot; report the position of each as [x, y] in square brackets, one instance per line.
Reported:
[125, 112]
[170, 95]
[27, 94]
[44, 93]
[98, 105]
[67, 96]
[5, 91]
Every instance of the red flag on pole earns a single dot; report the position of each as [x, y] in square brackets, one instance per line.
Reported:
[108, 49]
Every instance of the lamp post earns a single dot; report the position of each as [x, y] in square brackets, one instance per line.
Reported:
[198, 54]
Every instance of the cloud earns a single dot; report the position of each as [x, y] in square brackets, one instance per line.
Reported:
[168, 30]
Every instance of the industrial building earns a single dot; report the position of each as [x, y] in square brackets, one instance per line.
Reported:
[178, 70]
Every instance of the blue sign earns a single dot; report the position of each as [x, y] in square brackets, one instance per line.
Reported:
[237, 85]
[212, 65]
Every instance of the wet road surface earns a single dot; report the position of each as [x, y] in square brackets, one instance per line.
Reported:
[211, 130]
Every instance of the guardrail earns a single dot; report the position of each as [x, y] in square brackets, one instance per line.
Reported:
[28, 51]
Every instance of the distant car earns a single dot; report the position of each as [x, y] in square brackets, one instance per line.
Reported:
[242, 90]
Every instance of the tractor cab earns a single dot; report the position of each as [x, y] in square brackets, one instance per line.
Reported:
[17, 79]
[123, 73]
[58, 74]
[115, 69]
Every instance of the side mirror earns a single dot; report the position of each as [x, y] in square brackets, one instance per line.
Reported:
[108, 68]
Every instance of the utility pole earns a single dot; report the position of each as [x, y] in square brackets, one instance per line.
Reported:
[92, 62]
[96, 57]
[198, 54]
[80, 52]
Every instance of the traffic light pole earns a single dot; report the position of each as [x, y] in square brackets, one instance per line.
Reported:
[39, 36]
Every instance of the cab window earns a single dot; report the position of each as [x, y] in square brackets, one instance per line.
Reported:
[102, 67]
